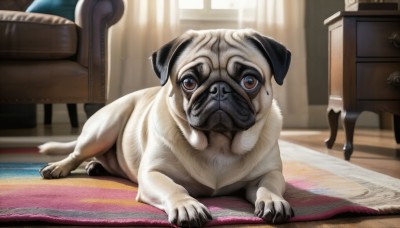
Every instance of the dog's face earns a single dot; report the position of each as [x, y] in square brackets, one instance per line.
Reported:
[221, 79]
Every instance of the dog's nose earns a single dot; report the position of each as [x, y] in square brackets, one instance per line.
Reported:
[220, 90]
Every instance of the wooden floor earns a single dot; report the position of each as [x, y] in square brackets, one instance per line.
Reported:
[374, 149]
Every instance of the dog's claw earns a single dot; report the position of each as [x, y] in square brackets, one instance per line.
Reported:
[53, 171]
[46, 173]
[190, 214]
[274, 211]
[198, 221]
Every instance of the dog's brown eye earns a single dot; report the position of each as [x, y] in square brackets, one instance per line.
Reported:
[189, 84]
[249, 82]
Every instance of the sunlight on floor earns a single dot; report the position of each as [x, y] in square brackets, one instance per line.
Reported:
[299, 132]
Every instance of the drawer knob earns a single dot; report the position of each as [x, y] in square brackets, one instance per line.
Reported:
[394, 79]
[395, 39]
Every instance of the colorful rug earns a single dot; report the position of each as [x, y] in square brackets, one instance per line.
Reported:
[318, 187]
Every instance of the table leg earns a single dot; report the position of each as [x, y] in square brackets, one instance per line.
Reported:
[91, 108]
[349, 119]
[396, 121]
[333, 124]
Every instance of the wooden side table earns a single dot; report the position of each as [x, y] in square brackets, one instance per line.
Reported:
[363, 69]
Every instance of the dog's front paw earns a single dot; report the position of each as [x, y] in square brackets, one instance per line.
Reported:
[274, 211]
[189, 213]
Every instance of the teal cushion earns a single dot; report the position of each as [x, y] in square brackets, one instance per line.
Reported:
[63, 8]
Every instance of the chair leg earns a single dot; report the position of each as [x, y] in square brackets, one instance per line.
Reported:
[73, 114]
[48, 113]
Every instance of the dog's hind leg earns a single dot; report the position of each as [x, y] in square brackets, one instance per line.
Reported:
[94, 168]
[89, 144]
[105, 164]
[99, 134]
[93, 142]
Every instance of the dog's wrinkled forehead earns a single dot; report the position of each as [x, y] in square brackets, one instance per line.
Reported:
[221, 49]
[217, 46]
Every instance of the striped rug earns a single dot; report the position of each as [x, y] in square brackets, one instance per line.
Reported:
[318, 187]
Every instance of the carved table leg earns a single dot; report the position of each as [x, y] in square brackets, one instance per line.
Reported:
[349, 119]
[333, 124]
[396, 121]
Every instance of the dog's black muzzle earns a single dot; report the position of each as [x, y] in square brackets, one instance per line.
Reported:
[220, 108]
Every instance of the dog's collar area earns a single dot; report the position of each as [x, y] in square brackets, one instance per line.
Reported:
[228, 134]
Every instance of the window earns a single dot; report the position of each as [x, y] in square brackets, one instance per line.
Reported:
[213, 9]
[191, 4]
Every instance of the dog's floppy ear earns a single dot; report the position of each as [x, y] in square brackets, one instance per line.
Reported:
[276, 54]
[165, 57]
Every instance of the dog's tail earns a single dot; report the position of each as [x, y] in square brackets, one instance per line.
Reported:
[57, 148]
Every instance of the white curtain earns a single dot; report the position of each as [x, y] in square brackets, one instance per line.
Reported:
[283, 20]
[145, 26]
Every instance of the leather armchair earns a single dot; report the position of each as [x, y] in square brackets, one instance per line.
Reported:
[46, 59]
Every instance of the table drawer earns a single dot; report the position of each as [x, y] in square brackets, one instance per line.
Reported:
[373, 39]
[372, 81]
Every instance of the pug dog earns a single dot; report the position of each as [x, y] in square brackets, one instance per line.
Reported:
[210, 129]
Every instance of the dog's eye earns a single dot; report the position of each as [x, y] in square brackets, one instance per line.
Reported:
[189, 83]
[249, 82]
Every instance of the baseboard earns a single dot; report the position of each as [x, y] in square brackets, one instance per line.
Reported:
[318, 118]
[295, 120]
[60, 114]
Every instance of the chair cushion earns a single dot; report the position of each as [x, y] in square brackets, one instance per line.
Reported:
[36, 36]
[63, 8]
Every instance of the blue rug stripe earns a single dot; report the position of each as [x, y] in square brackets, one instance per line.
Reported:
[20, 170]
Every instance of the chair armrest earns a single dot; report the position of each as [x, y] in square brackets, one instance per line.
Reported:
[93, 19]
